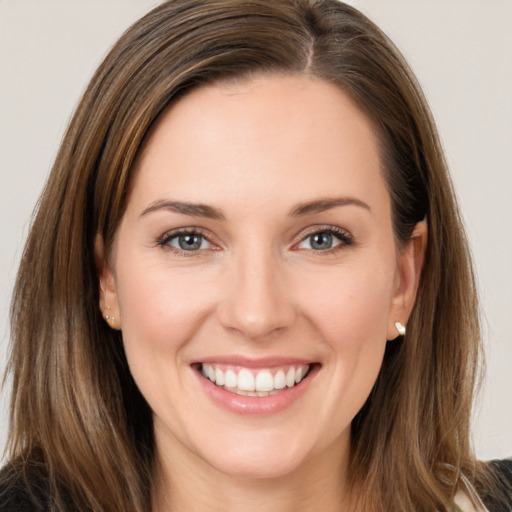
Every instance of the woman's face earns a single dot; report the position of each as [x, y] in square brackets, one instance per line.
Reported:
[257, 251]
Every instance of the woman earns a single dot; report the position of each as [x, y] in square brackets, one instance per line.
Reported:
[247, 285]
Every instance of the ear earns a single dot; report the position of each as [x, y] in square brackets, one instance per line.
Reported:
[109, 304]
[409, 265]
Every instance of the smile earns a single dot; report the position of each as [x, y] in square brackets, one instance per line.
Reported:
[252, 382]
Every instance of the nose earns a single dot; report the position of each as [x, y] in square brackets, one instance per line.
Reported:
[258, 302]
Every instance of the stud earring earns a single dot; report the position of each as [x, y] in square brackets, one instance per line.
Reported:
[109, 318]
[400, 328]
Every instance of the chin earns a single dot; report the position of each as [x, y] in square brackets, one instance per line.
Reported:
[257, 468]
[258, 454]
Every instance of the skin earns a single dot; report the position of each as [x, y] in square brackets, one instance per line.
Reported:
[256, 150]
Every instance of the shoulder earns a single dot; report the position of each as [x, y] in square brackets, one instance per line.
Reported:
[503, 468]
[501, 471]
[17, 496]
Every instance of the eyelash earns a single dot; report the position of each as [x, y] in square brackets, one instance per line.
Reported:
[344, 237]
[164, 240]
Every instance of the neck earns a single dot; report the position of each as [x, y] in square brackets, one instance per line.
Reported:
[189, 483]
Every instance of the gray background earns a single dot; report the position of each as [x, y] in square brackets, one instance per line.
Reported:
[461, 51]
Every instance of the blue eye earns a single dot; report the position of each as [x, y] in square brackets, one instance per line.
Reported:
[185, 241]
[190, 242]
[324, 240]
[321, 241]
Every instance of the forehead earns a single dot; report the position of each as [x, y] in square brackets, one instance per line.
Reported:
[300, 134]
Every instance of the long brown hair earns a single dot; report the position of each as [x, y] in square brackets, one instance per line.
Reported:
[76, 414]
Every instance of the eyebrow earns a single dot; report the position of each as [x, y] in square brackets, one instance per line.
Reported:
[322, 205]
[193, 209]
[209, 212]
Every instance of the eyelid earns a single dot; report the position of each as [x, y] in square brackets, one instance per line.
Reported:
[345, 237]
[163, 240]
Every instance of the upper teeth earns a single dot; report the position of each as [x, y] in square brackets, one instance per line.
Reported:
[254, 382]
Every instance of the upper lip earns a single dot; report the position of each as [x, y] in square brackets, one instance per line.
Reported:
[251, 362]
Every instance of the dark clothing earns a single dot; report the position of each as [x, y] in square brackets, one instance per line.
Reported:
[504, 473]
[15, 497]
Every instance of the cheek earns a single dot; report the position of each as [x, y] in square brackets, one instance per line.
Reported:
[147, 341]
[157, 304]
[351, 315]
[159, 316]
[352, 307]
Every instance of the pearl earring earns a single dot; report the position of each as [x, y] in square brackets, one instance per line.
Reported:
[400, 328]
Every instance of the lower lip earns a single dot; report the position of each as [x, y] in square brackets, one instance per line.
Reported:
[256, 406]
